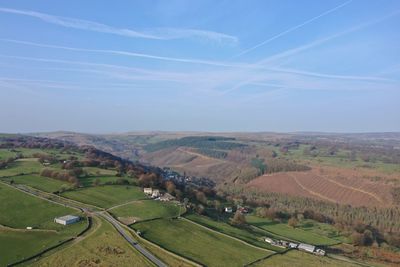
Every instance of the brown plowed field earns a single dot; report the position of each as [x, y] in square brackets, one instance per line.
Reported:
[335, 185]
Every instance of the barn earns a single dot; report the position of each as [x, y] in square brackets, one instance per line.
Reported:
[306, 247]
[68, 219]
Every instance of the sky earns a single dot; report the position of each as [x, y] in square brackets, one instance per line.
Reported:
[246, 65]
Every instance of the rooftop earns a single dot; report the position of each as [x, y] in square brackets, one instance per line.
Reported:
[67, 217]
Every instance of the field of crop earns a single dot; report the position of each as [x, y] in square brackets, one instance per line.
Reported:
[19, 210]
[329, 184]
[145, 209]
[295, 258]
[250, 235]
[106, 196]
[295, 234]
[42, 183]
[102, 246]
[197, 243]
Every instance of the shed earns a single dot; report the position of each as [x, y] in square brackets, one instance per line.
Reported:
[148, 191]
[268, 240]
[68, 219]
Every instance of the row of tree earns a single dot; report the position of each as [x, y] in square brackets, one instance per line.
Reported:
[382, 222]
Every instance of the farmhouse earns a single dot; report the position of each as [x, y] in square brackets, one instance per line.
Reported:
[148, 191]
[68, 219]
[228, 209]
[166, 197]
[155, 193]
[306, 247]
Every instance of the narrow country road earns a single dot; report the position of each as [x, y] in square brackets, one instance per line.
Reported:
[128, 238]
[117, 225]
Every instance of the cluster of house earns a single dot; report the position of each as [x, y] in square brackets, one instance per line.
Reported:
[243, 210]
[157, 195]
[304, 247]
[170, 175]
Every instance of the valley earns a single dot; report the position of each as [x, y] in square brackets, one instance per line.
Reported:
[102, 189]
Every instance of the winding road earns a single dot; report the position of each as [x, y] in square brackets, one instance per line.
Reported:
[130, 240]
[117, 225]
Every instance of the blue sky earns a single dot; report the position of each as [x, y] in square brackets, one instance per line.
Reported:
[93, 66]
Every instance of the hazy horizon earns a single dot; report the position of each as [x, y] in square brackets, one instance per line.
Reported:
[195, 132]
[226, 66]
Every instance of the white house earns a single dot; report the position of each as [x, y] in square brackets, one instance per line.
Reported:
[155, 193]
[68, 219]
[228, 209]
[148, 191]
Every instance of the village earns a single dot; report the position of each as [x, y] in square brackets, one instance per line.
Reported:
[185, 180]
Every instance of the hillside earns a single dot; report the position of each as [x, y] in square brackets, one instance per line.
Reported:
[44, 178]
[361, 169]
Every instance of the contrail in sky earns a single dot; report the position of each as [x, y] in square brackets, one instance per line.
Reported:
[126, 53]
[154, 33]
[293, 29]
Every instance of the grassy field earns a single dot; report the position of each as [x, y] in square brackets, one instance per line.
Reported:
[146, 209]
[102, 246]
[28, 152]
[18, 244]
[19, 210]
[88, 181]
[6, 153]
[253, 236]
[295, 258]
[22, 166]
[106, 196]
[284, 230]
[93, 171]
[42, 183]
[198, 244]
[322, 229]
